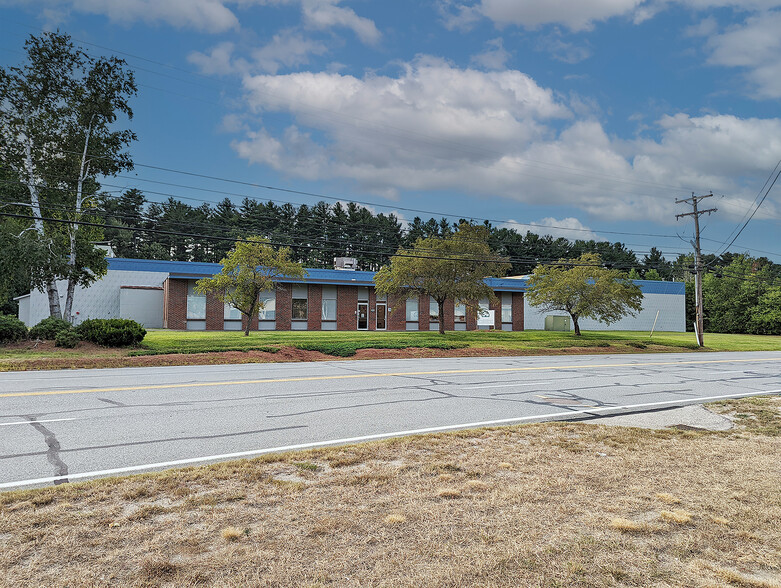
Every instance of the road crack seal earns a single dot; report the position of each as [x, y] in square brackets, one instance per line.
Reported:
[53, 452]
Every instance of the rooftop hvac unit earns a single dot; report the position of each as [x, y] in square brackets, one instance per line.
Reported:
[345, 263]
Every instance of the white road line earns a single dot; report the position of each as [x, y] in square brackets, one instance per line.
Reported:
[30, 422]
[363, 438]
[503, 385]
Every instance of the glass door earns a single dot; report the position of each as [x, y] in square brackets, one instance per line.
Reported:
[363, 316]
[382, 311]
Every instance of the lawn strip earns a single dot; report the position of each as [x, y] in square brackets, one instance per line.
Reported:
[162, 347]
[557, 504]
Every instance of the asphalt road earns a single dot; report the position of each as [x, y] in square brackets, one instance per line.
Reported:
[59, 426]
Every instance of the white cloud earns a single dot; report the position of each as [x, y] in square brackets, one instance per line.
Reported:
[755, 45]
[436, 127]
[211, 16]
[218, 61]
[206, 15]
[458, 16]
[325, 14]
[576, 15]
[569, 228]
[562, 50]
[287, 48]
[494, 57]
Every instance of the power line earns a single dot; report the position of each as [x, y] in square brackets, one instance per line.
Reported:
[363, 203]
[560, 262]
[492, 240]
[777, 172]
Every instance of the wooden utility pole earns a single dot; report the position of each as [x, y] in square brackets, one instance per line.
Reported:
[699, 320]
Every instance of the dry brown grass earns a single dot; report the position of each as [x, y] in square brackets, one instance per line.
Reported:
[579, 506]
[629, 526]
[395, 519]
[231, 533]
[667, 497]
[678, 516]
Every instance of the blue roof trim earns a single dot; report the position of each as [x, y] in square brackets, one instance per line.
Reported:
[193, 270]
[657, 287]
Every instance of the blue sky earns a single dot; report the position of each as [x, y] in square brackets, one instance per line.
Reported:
[583, 118]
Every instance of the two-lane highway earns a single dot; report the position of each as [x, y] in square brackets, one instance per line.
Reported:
[59, 426]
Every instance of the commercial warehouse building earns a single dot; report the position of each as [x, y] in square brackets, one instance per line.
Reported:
[161, 294]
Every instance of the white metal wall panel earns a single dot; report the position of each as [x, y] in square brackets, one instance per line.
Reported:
[671, 307]
[100, 300]
[143, 306]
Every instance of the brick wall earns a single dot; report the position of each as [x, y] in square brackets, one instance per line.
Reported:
[517, 311]
[396, 317]
[346, 307]
[284, 306]
[372, 310]
[215, 313]
[175, 304]
[314, 307]
[449, 315]
[423, 313]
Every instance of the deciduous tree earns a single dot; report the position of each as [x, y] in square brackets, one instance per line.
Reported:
[584, 289]
[453, 267]
[251, 267]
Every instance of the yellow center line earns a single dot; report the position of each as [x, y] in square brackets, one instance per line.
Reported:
[383, 375]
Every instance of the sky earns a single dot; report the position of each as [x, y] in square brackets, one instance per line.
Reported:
[581, 119]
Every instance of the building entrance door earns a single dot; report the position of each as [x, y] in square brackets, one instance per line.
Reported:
[363, 316]
[382, 311]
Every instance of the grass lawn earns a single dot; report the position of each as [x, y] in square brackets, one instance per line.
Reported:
[163, 347]
[557, 504]
[162, 341]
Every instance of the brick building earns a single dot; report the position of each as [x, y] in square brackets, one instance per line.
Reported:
[160, 294]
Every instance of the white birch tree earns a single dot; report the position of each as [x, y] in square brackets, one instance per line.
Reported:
[58, 113]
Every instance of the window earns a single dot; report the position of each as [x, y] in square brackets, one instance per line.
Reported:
[329, 303]
[196, 303]
[299, 303]
[381, 297]
[268, 303]
[363, 294]
[433, 311]
[231, 314]
[412, 310]
[460, 313]
[507, 307]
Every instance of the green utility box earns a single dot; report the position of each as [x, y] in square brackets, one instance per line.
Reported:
[557, 323]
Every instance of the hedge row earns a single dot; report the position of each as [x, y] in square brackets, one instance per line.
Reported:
[106, 332]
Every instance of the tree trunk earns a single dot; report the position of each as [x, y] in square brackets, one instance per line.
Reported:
[249, 315]
[577, 326]
[54, 299]
[441, 304]
[69, 290]
[35, 204]
[74, 227]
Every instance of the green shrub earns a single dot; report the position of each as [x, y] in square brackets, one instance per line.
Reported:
[68, 339]
[48, 328]
[111, 332]
[11, 329]
[336, 349]
[348, 349]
